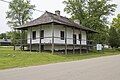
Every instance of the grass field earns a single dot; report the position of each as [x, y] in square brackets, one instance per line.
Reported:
[13, 59]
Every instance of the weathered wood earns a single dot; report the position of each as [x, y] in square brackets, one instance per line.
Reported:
[24, 38]
[65, 39]
[87, 44]
[14, 47]
[21, 43]
[52, 38]
[80, 43]
[14, 41]
[30, 39]
[73, 41]
[40, 39]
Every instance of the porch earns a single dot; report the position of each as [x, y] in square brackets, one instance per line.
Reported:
[74, 46]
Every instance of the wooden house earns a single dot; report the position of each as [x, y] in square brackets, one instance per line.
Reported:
[54, 32]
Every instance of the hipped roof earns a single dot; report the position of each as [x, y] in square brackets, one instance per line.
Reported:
[49, 17]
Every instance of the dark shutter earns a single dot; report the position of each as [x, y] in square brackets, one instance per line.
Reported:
[74, 39]
[34, 35]
[79, 37]
[42, 34]
[62, 35]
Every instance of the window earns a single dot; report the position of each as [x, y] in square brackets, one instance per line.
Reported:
[62, 35]
[80, 37]
[42, 34]
[34, 35]
[74, 39]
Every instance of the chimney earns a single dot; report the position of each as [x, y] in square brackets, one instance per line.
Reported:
[57, 12]
[77, 21]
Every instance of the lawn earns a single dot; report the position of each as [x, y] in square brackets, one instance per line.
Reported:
[12, 59]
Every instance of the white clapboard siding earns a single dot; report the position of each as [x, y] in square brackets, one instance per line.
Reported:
[57, 28]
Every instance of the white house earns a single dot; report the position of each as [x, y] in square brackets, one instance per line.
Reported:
[54, 32]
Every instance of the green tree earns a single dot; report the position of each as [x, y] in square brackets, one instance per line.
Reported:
[116, 25]
[92, 14]
[20, 11]
[2, 35]
[113, 38]
[116, 22]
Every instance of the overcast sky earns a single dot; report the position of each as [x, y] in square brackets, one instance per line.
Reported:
[43, 5]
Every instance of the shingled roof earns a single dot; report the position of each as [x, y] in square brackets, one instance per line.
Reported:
[49, 17]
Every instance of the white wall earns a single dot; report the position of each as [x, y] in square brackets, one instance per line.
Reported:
[57, 28]
[47, 33]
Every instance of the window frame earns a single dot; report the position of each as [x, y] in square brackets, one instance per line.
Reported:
[80, 37]
[74, 39]
[34, 36]
[42, 34]
[62, 35]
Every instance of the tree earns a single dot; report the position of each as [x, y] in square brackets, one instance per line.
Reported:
[116, 25]
[92, 14]
[113, 38]
[20, 11]
[2, 36]
[116, 22]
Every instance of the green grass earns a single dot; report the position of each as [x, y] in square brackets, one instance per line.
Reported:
[11, 59]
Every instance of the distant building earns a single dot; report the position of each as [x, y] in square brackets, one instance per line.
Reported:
[5, 42]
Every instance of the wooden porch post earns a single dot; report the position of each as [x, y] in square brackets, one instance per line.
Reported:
[40, 38]
[80, 42]
[23, 40]
[21, 45]
[73, 41]
[30, 39]
[52, 38]
[65, 39]
[87, 42]
[14, 41]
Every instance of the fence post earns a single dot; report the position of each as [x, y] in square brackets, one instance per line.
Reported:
[40, 38]
[65, 39]
[52, 38]
[30, 39]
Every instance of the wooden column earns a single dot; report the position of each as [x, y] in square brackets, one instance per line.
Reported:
[21, 38]
[52, 38]
[73, 41]
[14, 40]
[87, 42]
[30, 39]
[80, 42]
[40, 39]
[65, 39]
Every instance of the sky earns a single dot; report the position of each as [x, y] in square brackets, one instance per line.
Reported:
[43, 5]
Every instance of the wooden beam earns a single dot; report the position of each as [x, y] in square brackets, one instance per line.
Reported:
[14, 41]
[52, 38]
[73, 41]
[80, 43]
[21, 42]
[40, 39]
[87, 42]
[14, 47]
[30, 39]
[65, 39]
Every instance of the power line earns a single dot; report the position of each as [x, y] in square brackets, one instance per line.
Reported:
[34, 9]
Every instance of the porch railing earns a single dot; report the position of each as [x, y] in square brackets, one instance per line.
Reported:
[72, 40]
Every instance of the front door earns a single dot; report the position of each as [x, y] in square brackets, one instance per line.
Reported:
[74, 39]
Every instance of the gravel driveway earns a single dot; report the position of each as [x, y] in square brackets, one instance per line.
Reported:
[103, 68]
